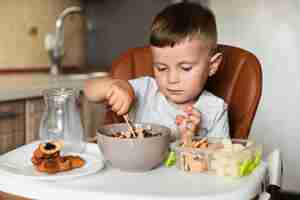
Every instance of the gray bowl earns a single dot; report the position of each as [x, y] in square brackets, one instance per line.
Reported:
[137, 154]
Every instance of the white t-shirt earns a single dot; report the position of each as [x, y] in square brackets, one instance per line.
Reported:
[151, 106]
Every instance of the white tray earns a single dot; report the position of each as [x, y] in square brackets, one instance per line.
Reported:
[161, 183]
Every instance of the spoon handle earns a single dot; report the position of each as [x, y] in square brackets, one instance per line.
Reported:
[130, 125]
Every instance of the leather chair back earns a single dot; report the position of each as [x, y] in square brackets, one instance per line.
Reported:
[238, 81]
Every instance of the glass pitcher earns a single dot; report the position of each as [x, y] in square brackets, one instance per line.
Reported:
[61, 119]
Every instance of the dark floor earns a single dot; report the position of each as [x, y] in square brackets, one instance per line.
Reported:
[289, 195]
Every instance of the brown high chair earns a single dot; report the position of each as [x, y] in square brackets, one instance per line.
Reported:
[238, 81]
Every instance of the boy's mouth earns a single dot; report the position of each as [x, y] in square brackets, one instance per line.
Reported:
[175, 91]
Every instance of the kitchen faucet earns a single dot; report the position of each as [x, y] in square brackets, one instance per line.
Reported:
[54, 43]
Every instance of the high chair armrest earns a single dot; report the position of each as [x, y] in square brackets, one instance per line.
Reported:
[275, 171]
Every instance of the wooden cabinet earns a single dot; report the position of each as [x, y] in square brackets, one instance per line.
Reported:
[34, 111]
[19, 122]
[12, 125]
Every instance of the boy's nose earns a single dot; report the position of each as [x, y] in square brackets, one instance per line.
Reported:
[173, 76]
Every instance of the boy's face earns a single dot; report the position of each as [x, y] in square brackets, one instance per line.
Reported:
[182, 70]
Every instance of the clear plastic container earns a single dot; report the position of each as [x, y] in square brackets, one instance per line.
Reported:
[219, 156]
[61, 119]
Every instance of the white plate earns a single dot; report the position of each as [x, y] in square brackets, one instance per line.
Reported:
[21, 166]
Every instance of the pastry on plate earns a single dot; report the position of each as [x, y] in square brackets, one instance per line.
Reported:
[46, 158]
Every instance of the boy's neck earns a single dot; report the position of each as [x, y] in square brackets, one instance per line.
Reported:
[184, 105]
[181, 106]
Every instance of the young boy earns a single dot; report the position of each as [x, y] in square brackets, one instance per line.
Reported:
[183, 43]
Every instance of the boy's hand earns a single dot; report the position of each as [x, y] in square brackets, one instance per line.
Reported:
[120, 97]
[190, 121]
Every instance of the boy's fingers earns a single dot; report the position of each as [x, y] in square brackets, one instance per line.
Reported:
[179, 119]
[188, 109]
[185, 122]
[113, 98]
[110, 93]
[195, 119]
[196, 112]
[117, 106]
[121, 110]
[126, 102]
[124, 109]
[189, 124]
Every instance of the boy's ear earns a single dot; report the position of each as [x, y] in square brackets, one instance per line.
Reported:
[214, 63]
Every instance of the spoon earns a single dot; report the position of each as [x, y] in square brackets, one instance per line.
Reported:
[130, 125]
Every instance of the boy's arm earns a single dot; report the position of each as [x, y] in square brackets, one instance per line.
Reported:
[118, 93]
[97, 89]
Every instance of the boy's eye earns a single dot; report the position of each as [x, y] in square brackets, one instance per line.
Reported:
[186, 67]
[160, 67]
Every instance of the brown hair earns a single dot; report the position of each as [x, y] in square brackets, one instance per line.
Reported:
[181, 21]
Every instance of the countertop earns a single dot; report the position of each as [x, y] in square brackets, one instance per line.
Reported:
[27, 85]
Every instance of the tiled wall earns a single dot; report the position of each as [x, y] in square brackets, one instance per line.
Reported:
[24, 25]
